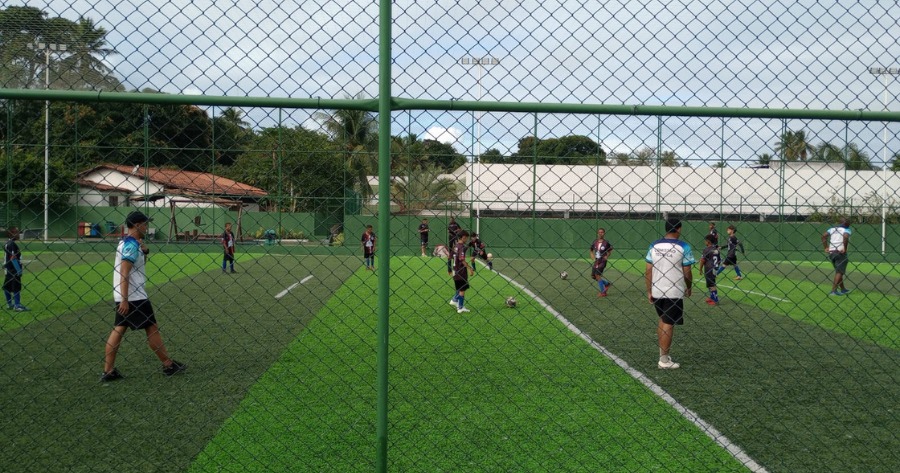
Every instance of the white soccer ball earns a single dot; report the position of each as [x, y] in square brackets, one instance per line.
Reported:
[490, 256]
[510, 301]
[564, 275]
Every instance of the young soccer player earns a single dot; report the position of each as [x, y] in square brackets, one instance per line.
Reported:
[836, 241]
[368, 247]
[423, 235]
[479, 250]
[709, 263]
[12, 263]
[713, 233]
[731, 255]
[228, 247]
[453, 230]
[459, 268]
[600, 250]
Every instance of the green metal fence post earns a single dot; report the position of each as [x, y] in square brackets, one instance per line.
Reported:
[384, 228]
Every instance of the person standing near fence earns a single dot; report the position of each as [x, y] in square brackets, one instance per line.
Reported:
[601, 249]
[709, 263]
[133, 308]
[228, 247]
[836, 241]
[423, 235]
[669, 280]
[713, 233]
[12, 264]
[368, 247]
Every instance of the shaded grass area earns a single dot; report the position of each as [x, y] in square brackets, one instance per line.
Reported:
[796, 394]
[497, 389]
[57, 283]
[227, 328]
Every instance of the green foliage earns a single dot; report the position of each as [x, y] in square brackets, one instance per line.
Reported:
[356, 134]
[408, 151]
[422, 188]
[572, 149]
[793, 146]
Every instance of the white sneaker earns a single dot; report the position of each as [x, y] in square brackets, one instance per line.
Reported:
[462, 310]
[668, 365]
[453, 303]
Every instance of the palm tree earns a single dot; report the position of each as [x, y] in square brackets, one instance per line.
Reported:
[356, 131]
[422, 188]
[829, 153]
[793, 146]
[895, 162]
[857, 160]
[764, 159]
[83, 67]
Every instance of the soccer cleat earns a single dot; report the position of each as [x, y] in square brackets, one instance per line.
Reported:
[845, 292]
[833, 293]
[738, 278]
[668, 365]
[603, 294]
[462, 310]
[174, 368]
[708, 300]
[233, 271]
[711, 302]
[113, 375]
[453, 303]
[20, 308]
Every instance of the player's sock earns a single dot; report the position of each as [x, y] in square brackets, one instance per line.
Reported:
[738, 271]
[719, 271]
[17, 299]
[8, 297]
[461, 300]
[455, 298]
[714, 295]
[602, 285]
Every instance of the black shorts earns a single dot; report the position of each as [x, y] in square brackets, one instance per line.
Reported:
[424, 240]
[368, 254]
[228, 257]
[730, 260]
[670, 311]
[710, 278]
[839, 260]
[140, 315]
[461, 284]
[598, 268]
[12, 283]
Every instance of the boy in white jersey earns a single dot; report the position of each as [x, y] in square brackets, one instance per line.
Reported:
[133, 309]
[836, 241]
[669, 280]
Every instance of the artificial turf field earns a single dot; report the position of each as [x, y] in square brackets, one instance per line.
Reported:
[799, 381]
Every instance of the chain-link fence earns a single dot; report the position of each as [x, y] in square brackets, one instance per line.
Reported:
[483, 271]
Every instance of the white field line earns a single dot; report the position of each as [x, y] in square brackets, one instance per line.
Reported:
[292, 286]
[688, 414]
[753, 292]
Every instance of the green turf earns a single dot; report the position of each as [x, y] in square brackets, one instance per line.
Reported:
[57, 284]
[797, 395]
[494, 390]
[227, 328]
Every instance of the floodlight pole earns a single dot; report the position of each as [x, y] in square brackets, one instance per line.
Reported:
[885, 73]
[476, 160]
[47, 48]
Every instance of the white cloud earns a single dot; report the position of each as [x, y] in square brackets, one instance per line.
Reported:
[444, 135]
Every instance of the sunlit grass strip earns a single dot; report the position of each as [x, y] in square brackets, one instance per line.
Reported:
[497, 389]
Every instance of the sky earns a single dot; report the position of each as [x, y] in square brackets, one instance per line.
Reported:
[735, 53]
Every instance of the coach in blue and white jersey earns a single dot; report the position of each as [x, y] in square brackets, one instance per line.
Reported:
[669, 280]
[836, 241]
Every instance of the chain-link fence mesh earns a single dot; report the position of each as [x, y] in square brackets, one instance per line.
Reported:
[248, 133]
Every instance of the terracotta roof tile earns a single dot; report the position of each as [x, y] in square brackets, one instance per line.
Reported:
[192, 181]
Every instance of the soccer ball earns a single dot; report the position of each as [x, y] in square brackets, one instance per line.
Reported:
[564, 275]
[490, 256]
[510, 301]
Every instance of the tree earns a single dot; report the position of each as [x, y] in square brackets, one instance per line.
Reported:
[572, 149]
[492, 155]
[857, 160]
[670, 159]
[422, 188]
[828, 153]
[408, 151]
[764, 159]
[83, 67]
[231, 134]
[356, 132]
[895, 162]
[794, 146]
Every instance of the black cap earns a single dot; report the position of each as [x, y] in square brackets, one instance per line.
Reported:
[135, 218]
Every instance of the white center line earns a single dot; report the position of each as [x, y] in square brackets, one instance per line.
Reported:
[757, 293]
[292, 286]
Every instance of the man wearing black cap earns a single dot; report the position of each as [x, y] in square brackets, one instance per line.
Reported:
[669, 280]
[12, 263]
[133, 309]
